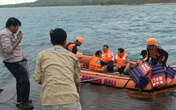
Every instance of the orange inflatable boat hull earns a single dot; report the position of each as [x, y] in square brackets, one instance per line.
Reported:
[122, 82]
[84, 59]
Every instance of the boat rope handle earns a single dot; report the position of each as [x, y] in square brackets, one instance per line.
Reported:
[126, 83]
[97, 78]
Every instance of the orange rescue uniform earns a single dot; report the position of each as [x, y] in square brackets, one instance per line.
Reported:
[94, 63]
[72, 47]
[108, 56]
[121, 61]
[158, 55]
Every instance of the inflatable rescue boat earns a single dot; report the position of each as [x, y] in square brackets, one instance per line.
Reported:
[118, 80]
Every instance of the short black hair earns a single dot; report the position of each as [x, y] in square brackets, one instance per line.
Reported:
[12, 21]
[106, 46]
[98, 52]
[144, 53]
[58, 36]
[121, 50]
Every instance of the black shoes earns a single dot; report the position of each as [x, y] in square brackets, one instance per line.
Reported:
[26, 106]
[29, 101]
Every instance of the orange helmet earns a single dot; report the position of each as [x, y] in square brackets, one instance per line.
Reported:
[152, 41]
[79, 39]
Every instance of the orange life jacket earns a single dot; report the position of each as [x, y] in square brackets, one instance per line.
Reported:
[155, 54]
[70, 46]
[141, 60]
[122, 62]
[94, 64]
[108, 56]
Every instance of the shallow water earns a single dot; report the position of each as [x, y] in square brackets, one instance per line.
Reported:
[118, 26]
[96, 97]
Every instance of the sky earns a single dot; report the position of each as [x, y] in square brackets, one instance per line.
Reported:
[5, 2]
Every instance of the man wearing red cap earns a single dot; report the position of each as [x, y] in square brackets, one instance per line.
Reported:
[72, 46]
[155, 52]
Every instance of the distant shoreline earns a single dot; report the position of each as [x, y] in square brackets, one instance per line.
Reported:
[36, 4]
[160, 3]
[146, 4]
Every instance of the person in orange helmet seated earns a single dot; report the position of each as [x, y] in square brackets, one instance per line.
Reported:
[155, 53]
[72, 46]
[107, 55]
[121, 60]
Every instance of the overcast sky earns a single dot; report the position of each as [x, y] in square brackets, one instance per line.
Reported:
[3, 2]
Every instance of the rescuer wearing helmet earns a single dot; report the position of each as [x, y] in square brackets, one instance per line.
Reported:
[155, 52]
[72, 46]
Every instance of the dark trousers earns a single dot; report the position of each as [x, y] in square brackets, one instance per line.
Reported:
[20, 72]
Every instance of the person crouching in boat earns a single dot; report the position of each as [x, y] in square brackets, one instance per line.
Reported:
[107, 55]
[96, 64]
[121, 60]
[143, 57]
[156, 53]
[72, 46]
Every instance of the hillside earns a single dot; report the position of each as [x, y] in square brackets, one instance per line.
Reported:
[87, 2]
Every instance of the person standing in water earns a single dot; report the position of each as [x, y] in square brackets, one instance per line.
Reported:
[13, 59]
